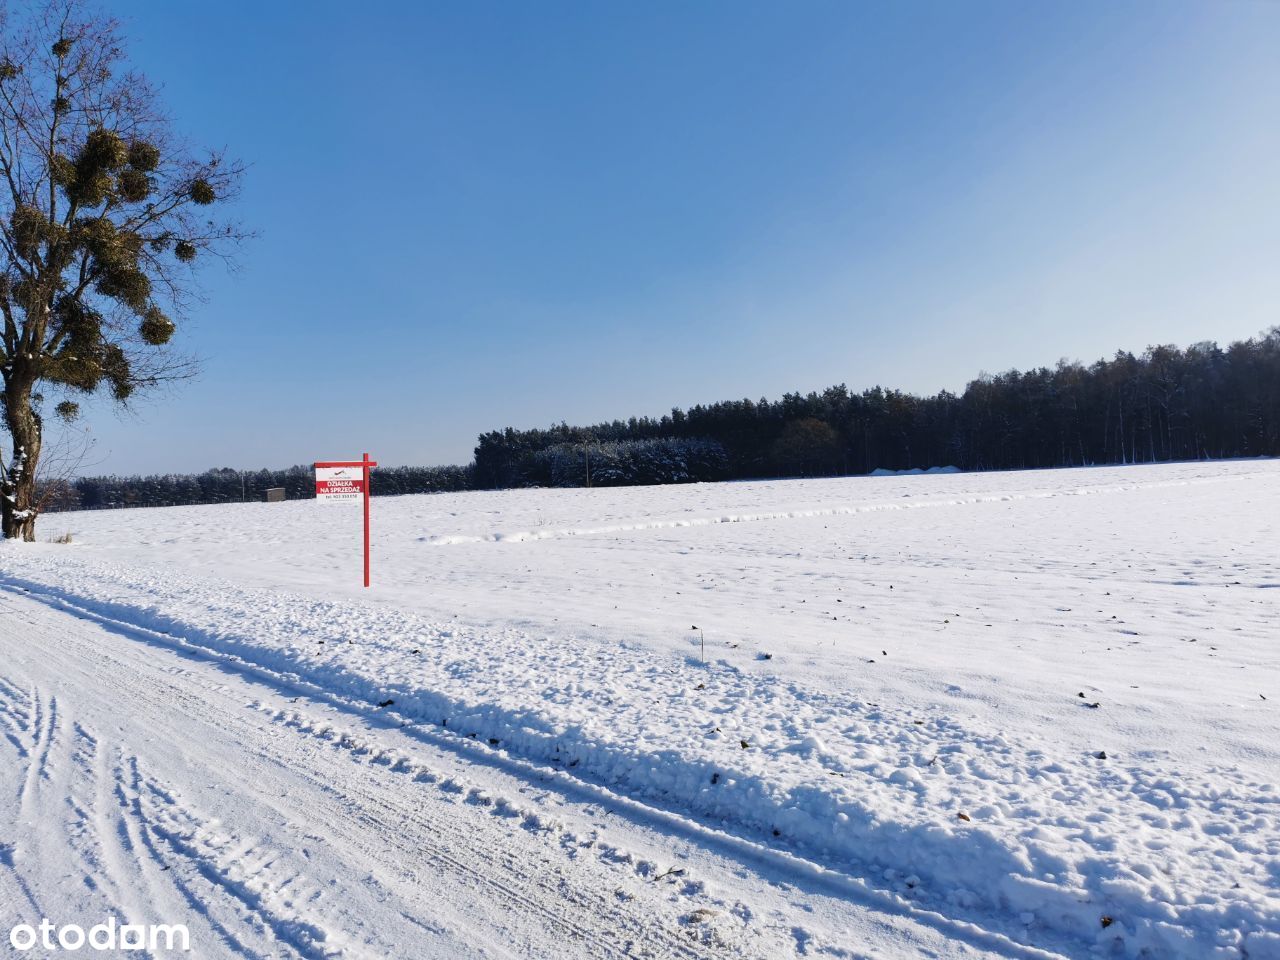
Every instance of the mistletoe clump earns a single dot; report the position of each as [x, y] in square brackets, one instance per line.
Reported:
[134, 185]
[156, 328]
[202, 193]
[92, 181]
[143, 156]
[86, 359]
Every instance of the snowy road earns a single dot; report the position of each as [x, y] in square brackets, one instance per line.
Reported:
[223, 799]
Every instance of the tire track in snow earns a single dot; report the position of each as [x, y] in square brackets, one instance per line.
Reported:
[44, 731]
[47, 740]
[84, 802]
[358, 748]
[212, 865]
[83, 812]
[121, 824]
[409, 834]
[15, 717]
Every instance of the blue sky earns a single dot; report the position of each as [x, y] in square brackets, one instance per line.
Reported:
[474, 215]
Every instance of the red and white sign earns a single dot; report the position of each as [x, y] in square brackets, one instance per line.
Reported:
[347, 481]
[340, 484]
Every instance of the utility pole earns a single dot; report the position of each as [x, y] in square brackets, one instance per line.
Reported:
[587, 451]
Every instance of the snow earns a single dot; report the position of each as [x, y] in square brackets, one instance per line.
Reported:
[1030, 711]
[912, 472]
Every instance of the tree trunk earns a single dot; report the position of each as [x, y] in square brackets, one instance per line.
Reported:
[18, 505]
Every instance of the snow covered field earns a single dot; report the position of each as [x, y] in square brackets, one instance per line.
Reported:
[1016, 715]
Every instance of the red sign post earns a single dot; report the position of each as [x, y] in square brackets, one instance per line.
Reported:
[344, 481]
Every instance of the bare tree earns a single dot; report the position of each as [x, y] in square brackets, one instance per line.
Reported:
[65, 453]
[104, 213]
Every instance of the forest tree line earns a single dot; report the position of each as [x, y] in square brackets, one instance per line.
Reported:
[1164, 404]
[1167, 403]
[233, 486]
